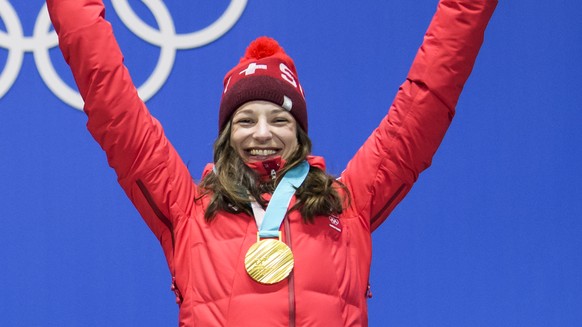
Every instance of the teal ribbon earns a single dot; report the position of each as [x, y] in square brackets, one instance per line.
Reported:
[277, 208]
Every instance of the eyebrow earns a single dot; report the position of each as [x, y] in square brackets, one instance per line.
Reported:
[250, 111]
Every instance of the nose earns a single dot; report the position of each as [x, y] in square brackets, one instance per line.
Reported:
[262, 131]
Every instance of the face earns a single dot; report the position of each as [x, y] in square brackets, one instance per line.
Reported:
[262, 130]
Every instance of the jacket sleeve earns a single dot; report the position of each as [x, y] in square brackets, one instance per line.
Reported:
[385, 167]
[148, 167]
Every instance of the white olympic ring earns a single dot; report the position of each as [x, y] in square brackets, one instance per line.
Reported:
[166, 38]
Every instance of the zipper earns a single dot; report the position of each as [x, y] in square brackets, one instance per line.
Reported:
[166, 221]
[388, 204]
[291, 282]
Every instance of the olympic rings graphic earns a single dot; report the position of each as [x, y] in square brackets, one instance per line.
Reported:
[165, 38]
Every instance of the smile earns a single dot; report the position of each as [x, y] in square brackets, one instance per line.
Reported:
[261, 152]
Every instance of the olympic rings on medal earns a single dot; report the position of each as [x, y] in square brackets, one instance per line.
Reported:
[165, 38]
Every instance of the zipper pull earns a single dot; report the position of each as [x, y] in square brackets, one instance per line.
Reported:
[273, 174]
[369, 291]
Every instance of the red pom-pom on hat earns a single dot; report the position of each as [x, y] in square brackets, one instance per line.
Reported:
[262, 47]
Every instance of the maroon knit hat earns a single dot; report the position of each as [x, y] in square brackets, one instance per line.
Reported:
[267, 73]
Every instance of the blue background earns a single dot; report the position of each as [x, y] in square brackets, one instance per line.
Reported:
[489, 236]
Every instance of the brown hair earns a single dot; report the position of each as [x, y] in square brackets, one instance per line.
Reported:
[233, 185]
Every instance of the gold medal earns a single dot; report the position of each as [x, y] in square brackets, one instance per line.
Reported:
[269, 261]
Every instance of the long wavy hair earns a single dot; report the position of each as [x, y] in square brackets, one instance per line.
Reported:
[232, 185]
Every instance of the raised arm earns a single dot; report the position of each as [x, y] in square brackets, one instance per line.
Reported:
[147, 166]
[389, 162]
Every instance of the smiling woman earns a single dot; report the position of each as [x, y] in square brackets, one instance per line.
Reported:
[262, 130]
[268, 238]
[255, 149]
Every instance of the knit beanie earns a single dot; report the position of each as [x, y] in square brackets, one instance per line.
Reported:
[267, 73]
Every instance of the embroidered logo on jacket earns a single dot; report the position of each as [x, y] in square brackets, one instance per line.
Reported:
[335, 223]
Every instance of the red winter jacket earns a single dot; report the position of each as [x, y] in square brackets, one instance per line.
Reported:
[332, 256]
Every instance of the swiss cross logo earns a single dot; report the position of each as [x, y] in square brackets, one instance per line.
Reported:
[252, 68]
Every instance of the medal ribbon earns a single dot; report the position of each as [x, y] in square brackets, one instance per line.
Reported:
[280, 200]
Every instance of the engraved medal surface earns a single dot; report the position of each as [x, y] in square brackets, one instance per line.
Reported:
[269, 261]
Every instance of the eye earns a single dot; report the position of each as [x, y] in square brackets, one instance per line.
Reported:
[281, 120]
[244, 121]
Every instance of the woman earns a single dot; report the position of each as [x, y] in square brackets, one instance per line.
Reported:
[304, 261]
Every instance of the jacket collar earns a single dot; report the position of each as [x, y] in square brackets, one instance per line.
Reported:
[264, 168]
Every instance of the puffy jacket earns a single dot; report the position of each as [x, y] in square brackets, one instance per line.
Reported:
[332, 256]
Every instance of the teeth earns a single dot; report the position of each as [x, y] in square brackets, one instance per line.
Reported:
[262, 152]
